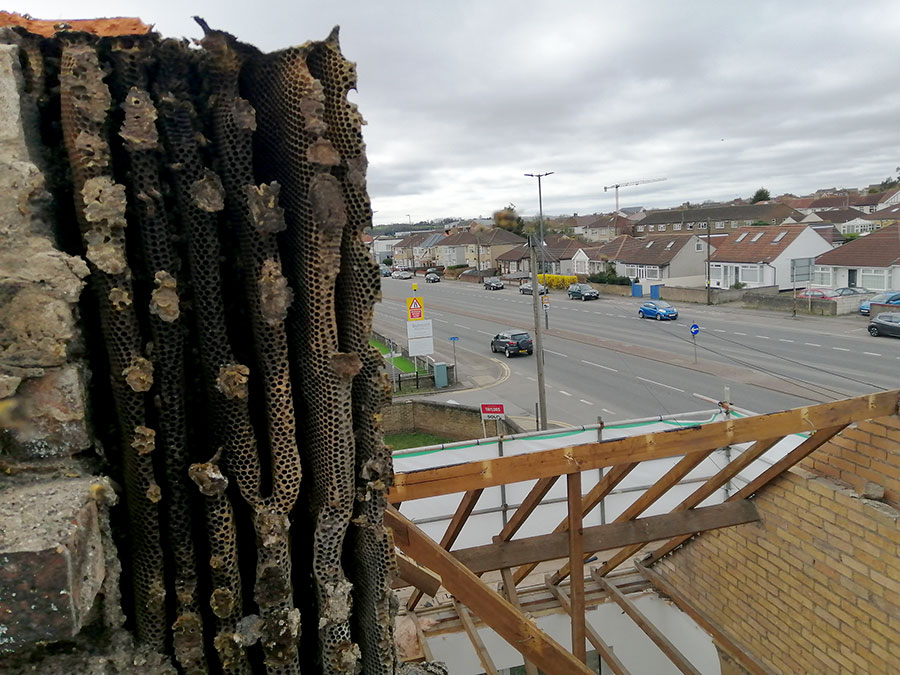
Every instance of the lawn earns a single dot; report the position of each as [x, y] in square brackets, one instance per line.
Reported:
[413, 439]
[401, 363]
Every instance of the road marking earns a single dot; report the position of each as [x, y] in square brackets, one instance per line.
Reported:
[607, 410]
[458, 325]
[644, 379]
[585, 402]
[452, 402]
[763, 337]
[442, 321]
[531, 378]
[564, 393]
[841, 349]
[597, 365]
[484, 332]
[736, 333]
[812, 344]
[621, 316]
[719, 330]
[609, 314]
[550, 351]
[871, 354]
[784, 340]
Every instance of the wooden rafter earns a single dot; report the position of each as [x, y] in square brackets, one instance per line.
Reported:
[410, 574]
[604, 486]
[528, 505]
[661, 641]
[463, 511]
[544, 547]
[509, 588]
[493, 610]
[818, 439]
[484, 657]
[684, 466]
[750, 664]
[536, 465]
[423, 641]
[576, 554]
[605, 651]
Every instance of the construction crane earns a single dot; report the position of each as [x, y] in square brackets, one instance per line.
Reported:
[629, 183]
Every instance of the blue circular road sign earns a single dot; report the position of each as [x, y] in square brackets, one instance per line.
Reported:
[694, 329]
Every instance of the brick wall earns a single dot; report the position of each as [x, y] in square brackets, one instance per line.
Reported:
[814, 586]
[456, 422]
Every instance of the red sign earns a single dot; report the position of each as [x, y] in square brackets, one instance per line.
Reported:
[492, 411]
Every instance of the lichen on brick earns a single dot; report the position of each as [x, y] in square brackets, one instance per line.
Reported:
[265, 213]
[232, 380]
[164, 298]
[139, 128]
[207, 193]
[139, 375]
[274, 294]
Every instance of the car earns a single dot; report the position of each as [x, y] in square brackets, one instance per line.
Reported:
[886, 323]
[818, 294]
[401, 274]
[583, 292]
[432, 278]
[435, 270]
[886, 298]
[384, 270]
[512, 341]
[851, 290]
[493, 285]
[526, 289]
[657, 309]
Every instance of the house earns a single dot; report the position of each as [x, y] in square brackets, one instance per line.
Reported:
[872, 262]
[415, 250]
[562, 250]
[518, 259]
[606, 228]
[383, 247]
[651, 258]
[762, 256]
[720, 218]
[883, 217]
[870, 203]
[578, 224]
[476, 248]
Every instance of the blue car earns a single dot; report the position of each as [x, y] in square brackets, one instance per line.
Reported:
[657, 309]
[888, 298]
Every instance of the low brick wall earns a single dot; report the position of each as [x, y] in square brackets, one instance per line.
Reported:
[613, 289]
[814, 586]
[456, 422]
[786, 303]
[717, 296]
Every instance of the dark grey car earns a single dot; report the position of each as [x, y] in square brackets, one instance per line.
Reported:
[886, 323]
[512, 341]
[582, 292]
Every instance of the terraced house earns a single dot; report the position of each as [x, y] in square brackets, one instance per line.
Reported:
[478, 248]
[720, 218]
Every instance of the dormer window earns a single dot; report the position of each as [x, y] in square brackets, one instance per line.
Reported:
[779, 237]
[757, 236]
[741, 238]
[670, 245]
[649, 244]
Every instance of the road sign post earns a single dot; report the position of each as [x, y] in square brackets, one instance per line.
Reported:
[545, 301]
[694, 330]
[453, 340]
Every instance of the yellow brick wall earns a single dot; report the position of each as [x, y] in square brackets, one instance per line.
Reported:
[814, 586]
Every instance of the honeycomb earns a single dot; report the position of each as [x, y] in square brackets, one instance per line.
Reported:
[220, 201]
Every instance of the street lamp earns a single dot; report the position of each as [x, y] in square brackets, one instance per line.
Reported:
[541, 216]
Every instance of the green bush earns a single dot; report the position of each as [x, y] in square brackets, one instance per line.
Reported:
[609, 278]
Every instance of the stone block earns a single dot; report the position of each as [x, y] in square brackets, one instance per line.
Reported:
[52, 558]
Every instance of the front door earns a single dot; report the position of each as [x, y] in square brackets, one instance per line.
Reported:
[851, 278]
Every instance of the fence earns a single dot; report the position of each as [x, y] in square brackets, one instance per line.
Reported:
[422, 378]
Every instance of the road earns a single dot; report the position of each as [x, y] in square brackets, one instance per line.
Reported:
[604, 361]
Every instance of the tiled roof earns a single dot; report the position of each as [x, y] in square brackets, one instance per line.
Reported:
[496, 236]
[751, 244]
[874, 198]
[839, 215]
[658, 250]
[889, 213]
[110, 27]
[829, 232]
[751, 212]
[419, 239]
[877, 249]
[522, 252]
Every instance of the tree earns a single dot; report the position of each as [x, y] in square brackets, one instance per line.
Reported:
[761, 195]
[508, 219]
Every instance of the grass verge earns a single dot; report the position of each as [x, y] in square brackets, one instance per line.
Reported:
[414, 439]
[401, 363]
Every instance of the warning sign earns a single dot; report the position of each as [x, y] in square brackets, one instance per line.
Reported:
[415, 309]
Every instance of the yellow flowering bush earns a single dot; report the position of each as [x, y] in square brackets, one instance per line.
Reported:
[561, 281]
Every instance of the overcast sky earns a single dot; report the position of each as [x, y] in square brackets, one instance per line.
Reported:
[464, 97]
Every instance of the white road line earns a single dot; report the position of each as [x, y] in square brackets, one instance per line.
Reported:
[784, 340]
[459, 325]
[719, 330]
[660, 384]
[531, 378]
[597, 365]
[442, 321]
[585, 402]
[736, 333]
[484, 332]
[621, 316]
[871, 354]
[763, 337]
[812, 344]
[564, 393]
[550, 351]
[610, 314]
[841, 349]
[607, 410]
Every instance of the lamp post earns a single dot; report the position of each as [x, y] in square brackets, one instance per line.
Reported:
[541, 216]
[535, 298]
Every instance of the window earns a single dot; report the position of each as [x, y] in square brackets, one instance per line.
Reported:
[741, 237]
[631, 271]
[715, 272]
[757, 236]
[702, 226]
[649, 244]
[750, 274]
[640, 228]
[690, 226]
[720, 225]
[676, 226]
[662, 228]
[821, 275]
[670, 245]
[650, 228]
[873, 278]
[779, 237]
[650, 272]
[698, 246]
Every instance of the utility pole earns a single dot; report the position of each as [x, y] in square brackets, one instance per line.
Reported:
[541, 217]
[708, 289]
[538, 340]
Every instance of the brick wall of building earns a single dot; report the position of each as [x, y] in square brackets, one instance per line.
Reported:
[456, 422]
[814, 586]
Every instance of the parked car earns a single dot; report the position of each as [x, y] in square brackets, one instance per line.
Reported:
[887, 298]
[493, 285]
[512, 341]
[851, 290]
[385, 270]
[657, 309]
[435, 270]
[886, 323]
[401, 274]
[583, 292]
[526, 289]
[818, 294]
[432, 278]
